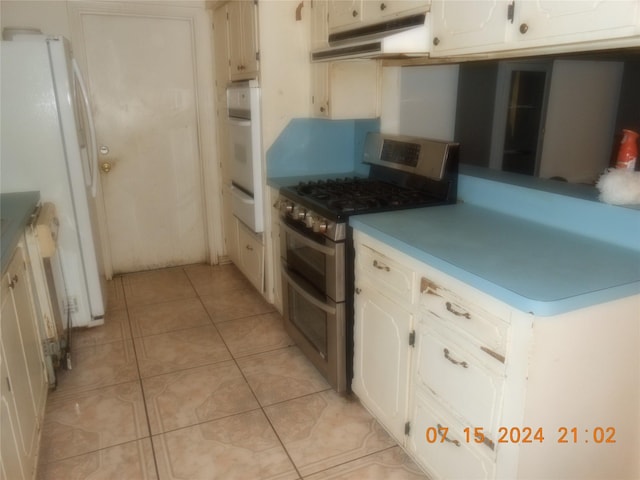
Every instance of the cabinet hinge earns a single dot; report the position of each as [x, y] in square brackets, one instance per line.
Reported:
[510, 11]
[407, 428]
[412, 338]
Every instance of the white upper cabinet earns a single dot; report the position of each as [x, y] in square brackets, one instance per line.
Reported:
[471, 27]
[348, 14]
[345, 14]
[319, 24]
[542, 22]
[380, 10]
[346, 89]
[243, 40]
[468, 26]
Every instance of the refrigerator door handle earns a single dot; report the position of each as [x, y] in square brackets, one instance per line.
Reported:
[93, 154]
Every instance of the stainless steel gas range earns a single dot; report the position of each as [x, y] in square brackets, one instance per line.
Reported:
[316, 242]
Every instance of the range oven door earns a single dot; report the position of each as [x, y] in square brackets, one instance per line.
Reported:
[320, 262]
[314, 320]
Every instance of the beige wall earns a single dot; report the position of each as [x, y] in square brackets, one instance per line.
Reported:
[50, 16]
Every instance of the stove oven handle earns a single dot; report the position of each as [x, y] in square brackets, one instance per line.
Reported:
[307, 241]
[303, 293]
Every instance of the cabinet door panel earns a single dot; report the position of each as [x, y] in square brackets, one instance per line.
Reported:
[251, 256]
[387, 274]
[344, 14]
[383, 9]
[458, 379]
[10, 458]
[468, 25]
[16, 368]
[471, 320]
[450, 458]
[381, 358]
[548, 19]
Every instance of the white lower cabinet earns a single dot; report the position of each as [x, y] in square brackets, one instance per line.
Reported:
[24, 384]
[474, 389]
[457, 378]
[438, 442]
[251, 256]
[381, 362]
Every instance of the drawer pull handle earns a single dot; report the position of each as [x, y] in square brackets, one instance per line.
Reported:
[381, 266]
[453, 360]
[441, 429]
[458, 313]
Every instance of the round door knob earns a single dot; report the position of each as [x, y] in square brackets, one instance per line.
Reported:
[354, 13]
[524, 28]
[436, 41]
[383, 6]
[105, 167]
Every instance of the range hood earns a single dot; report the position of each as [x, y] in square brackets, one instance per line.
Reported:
[406, 35]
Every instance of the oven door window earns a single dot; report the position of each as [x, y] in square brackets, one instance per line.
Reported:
[310, 319]
[319, 264]
[307, 262]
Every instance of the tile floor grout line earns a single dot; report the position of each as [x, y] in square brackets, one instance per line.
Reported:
[144, 399]
[255, 396]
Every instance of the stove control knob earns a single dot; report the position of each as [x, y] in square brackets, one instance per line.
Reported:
[320, 226]
[288, 207]
[299, 213]
[309, 221]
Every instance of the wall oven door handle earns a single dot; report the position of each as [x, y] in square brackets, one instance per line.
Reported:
[304, 294]
[307, 241]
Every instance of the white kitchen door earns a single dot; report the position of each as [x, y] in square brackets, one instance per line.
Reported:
[143, 84]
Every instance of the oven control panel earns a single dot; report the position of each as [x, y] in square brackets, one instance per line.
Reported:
[311, 221]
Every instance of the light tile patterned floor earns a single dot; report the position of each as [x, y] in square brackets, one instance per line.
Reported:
[193, 377]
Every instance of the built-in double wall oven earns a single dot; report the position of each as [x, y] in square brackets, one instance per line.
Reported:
[313, 270]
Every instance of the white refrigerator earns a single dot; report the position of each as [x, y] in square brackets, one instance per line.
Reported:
[48, 144]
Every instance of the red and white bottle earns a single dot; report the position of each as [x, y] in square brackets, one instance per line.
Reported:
[628, 153]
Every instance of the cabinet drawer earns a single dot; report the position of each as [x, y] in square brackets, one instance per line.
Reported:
[457, 378]
[386, 274]
[473, 321]
[452, 457]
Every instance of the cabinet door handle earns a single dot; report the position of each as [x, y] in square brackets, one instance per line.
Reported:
[249, 247]
[383, 6]
[458, 313]
[381, 266]
[444, 437]
[453, 360]
[354, 13]
[13, 282]
[524, 28]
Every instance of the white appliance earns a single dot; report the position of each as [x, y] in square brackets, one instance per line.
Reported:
[243, 108]
[48, 144]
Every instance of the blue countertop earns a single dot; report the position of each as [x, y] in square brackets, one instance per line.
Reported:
[15, 211]
[533, 267]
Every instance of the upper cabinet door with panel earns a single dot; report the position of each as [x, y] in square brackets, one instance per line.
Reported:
[543, 22]
[243, 40]
[468, 26]
[345, 14]
[385, 9]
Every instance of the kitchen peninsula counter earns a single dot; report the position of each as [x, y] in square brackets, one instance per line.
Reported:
[16, 211]
[536, 268]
